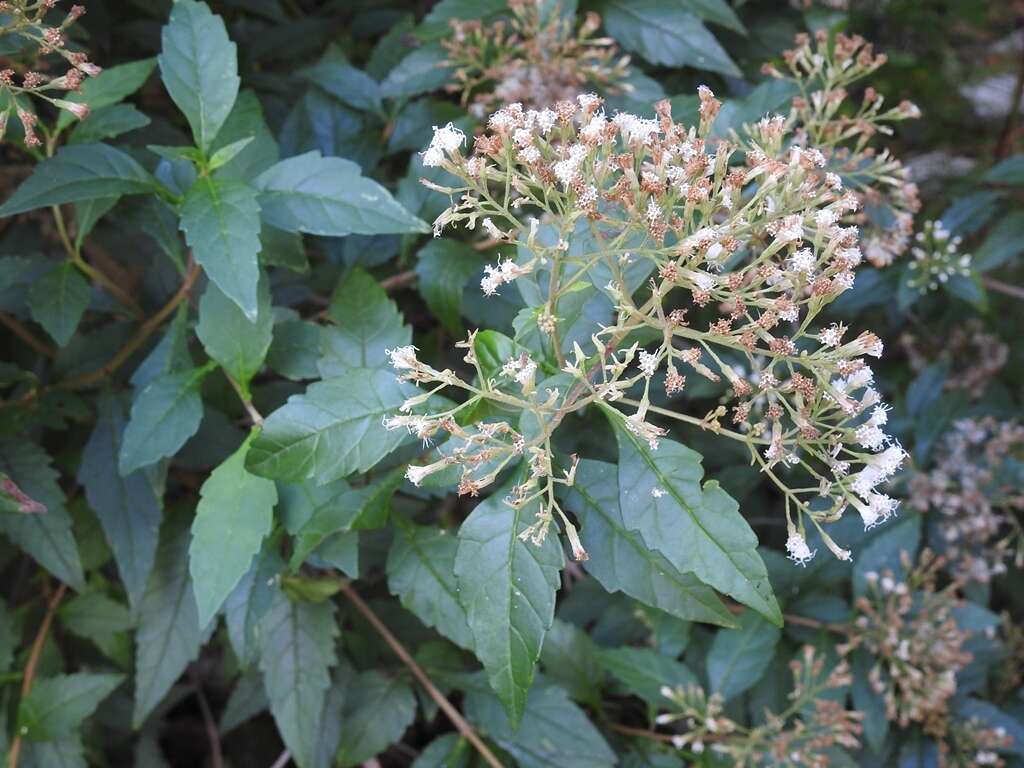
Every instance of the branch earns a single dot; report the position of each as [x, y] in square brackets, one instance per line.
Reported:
[33, 662]
[400, 280]
[26, 335]
[439, 698]
[1000, 287]
[216, 760]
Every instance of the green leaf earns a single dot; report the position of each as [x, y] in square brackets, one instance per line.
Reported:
[344, 82]
[507, 586]
[56, 706]
[699, 530]
[95, 617]
[554, 732]
[109, 87]
[15, 501]
[296, 654]
[444, 267]
[369, 324]
[227, 153]
[169, 635]
[164, 415]
[230, 338]
[170, 355]
[66, 753]
[246, 124]
[665, 32]
[88, 213]
[221, 221]
[621, 561]
[108, 123]
[449, 750]
[421, 574]
[329, 196]
[58, 300]
[235, 513]
[868, 701]
[644, 672]
[1004, 243]
[376, 713]
[46, 537]
[247, 700]
[250, 600]
[295, 350]
[1009, 171]
[338, 508]
[127, 506]
[79, 172]
[332, 430]
[199, 67]
[570, 658]
[422, 70]
[738, 657]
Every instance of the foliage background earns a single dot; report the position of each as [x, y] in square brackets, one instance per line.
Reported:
[125, 630]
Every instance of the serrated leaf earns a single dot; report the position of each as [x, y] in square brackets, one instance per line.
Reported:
[621, 561]
[199, 68]
[376, 712]
[644, 672]
[221, 221]
[554, 732]
[344, 82]
[699, 530]
[56, 706]
[738, 657]
[79, 172]
[329, 196]
[245, 123]
[88, 213]
[507, 586]
[232, 339]
[444, 267]
[250, 600]
[247, 700]
[295, 350]
[169, 635]
[332, 430]
[58, 300]
[164, 415]
[421, 573]
[235, 513]
[65, 753]
[368, 324]
[296, 654]
[127, 506]
[168, 356]
[47, 537]
[570, 658]
[665, 33]
[95, 617]
[108, 88]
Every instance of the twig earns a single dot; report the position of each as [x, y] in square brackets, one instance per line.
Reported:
[400, 280]
[255, 416]
[282, 759]
[643, 733]
[26, 335]
[33, 662]
[439, 698]
[802, 621]
[1001, 287]
[216, 760]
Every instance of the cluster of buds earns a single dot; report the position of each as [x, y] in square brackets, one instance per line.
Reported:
[937, 258]
[725, 263]
[972, 744]
[799, 737]
[975, 490]
[907, 623]
[823, 70]
[28, 20]
[535, 56]
[974, 355]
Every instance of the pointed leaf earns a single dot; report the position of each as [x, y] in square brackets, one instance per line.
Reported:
[127, 506]
[376, 713]
[620, 559]
[56, 706]
[199, 67]
[738, 657]
[164, 415]
[444, 268]
[58, 301]
[235, 513]
[221, 221]
[507, 586]
[328, 196]
[109, 87]
[230, 338]
[700, 531]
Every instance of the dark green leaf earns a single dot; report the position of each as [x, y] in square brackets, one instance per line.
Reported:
[127, 506]
[108, 123]
[444, 267]
[56, 706]
[376, 713]
[247, 700]
[296, 654]
[111, 86]
[329, 196]
[246, 122]
[295, 350]
[59, 300]
[644, 672]
[699, 530]
[199, 67]
[1009, 171]
[507, 586]
[621, 561]
[79, 172]
[230, 338]
[234, 515]
[570, 658]
[164, 415]
[344, 82]
[738, 657]
[1004, 243]
[250, 600]
[221, 221]
[883, 551]
[422, 70]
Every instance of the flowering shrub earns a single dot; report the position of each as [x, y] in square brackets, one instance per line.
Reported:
[507, 383]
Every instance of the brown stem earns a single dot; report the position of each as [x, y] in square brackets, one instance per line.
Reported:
[400, 280]
[26, 335]
[1000, 287]
[33, 662]
[216, 760]
[255, 416]
[643, 733]
[802, 621]
[282, 759]
[439, 698]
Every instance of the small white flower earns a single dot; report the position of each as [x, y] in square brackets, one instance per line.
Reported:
[648, 363]
[798, 550]
[871, 437]
[403, 357]
[446, 139]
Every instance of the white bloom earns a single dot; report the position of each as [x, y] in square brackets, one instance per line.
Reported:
[833, 335]
[870, 437]
[653, 211]
[657, 492]
[403, 357]
[648, 363]
[446, 139]
[798, 550]
[491, 229]
[792, 229]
